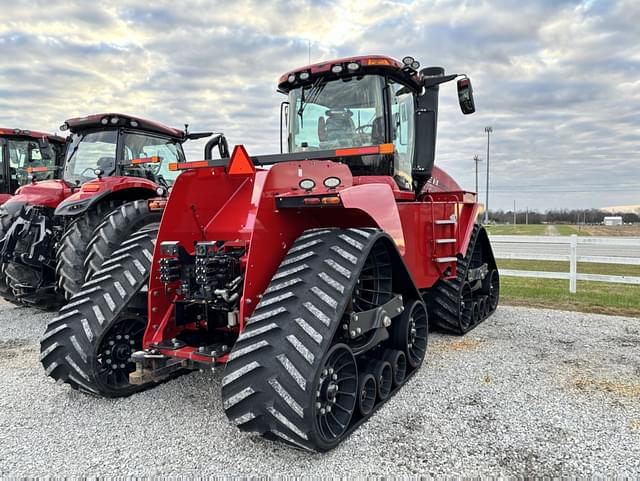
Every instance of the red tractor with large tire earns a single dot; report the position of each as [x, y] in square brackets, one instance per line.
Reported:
[27, 156]
[314, 280]
[54, 232]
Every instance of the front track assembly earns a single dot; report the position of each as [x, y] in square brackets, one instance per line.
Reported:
[458, 305]
[329, 342]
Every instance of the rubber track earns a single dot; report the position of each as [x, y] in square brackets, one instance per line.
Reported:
[5, 290]
[70, 340]
[114, 230]
[73, 248]
[443, 298]
[269, 383]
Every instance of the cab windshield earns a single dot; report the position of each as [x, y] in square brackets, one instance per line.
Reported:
[143, 155]
[338, 113]
[28, 159]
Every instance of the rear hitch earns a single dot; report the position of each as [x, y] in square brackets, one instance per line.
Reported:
[151, 366]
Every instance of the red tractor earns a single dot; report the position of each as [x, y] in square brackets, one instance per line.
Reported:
[27, 156]
[114, 164]
[312, 280]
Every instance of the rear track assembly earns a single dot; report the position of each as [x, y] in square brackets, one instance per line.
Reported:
[301, 372]
[89, 345]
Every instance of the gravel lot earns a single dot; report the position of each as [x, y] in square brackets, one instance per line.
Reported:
[528, 392]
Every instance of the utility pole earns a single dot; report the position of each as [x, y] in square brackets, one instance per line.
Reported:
[514, 212]
[526, 217]
[477, 159]
[488, 130]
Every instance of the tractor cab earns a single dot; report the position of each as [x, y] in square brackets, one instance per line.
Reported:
[27, 156]
[365, 102]
[119, 145]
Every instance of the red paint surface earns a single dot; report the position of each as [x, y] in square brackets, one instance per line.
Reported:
[48, 193]
[209, 204]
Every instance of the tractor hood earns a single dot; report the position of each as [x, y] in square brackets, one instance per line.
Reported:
[48, 193]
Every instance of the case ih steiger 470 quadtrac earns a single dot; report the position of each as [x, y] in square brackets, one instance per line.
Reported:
[27, 156]
[314, 280]
[53, 230]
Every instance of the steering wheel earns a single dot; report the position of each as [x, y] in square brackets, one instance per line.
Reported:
[360, 129]
[90, 169]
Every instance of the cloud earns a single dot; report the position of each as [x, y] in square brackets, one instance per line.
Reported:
[558, 80]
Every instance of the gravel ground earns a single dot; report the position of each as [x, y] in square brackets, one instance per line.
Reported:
[528, 392]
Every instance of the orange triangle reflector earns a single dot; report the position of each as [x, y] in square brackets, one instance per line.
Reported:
[240, 162]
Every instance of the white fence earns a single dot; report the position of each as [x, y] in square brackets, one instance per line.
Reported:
[571, 244]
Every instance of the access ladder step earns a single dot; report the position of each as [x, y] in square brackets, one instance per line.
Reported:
[445, 221]
[445, 241]
[443, 260]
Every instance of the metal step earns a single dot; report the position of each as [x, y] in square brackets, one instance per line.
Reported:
[445, 221]
[443, 260]
[445, 241]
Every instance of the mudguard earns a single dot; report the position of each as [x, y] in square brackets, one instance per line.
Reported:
[95, 191]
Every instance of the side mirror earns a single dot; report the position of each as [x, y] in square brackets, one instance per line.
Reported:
[465, 96]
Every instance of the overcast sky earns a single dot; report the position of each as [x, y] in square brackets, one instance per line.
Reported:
[559, 81]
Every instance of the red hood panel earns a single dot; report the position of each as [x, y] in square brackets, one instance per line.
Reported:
[48, 193]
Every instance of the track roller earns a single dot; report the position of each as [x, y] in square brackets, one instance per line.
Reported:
[398, 362]
[383, 373]
[367, 391]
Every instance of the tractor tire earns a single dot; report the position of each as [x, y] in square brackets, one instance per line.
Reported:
[453, 306]
[292, 374]
[5, 291]
[73, 248]
[89, 344]
[116, 228]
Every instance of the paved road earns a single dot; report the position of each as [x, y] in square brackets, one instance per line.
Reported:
[529, 392]
[503, 248]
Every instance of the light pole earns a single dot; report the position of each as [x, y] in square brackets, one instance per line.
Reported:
[488, 130]
[477, 159]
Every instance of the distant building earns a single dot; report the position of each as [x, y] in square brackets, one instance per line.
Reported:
[613, 220]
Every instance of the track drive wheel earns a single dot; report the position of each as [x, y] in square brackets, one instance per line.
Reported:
[89, 344]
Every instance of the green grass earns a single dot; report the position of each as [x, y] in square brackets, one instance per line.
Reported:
[569, 230]
[519, 229]
[560, 266]
[534, 229]
[598, 297]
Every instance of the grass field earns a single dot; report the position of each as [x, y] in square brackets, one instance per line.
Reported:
[598, 297]
[564, 229]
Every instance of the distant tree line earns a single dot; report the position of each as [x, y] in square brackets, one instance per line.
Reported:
[560, 216]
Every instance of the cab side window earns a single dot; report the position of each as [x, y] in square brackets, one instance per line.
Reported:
[402, 132]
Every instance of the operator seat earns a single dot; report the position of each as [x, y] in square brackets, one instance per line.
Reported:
[339, 126]
[377, 131]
